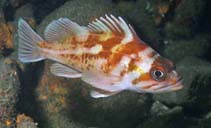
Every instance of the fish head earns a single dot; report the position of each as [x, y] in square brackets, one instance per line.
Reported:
[161, 77]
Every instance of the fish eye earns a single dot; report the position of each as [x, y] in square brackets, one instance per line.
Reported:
[158, 74]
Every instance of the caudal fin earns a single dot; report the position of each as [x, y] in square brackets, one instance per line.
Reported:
[28, 50]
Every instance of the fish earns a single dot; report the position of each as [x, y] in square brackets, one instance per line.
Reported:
[106, 54]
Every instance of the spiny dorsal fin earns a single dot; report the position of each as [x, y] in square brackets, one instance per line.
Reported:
[111, 24]
[57, 30]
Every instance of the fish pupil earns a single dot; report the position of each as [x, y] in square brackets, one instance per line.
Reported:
[158, 73]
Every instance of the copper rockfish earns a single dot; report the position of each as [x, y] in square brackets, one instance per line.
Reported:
[106, 54]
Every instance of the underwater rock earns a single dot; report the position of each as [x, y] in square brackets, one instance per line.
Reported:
[82, 11]
[23, 121]
[186, 19]
[25, 11]
[2, 3]
[141, 15]
[176, 50]
[9, 89]
[16, 3]
[206, 121]
[190, 68]
[158, 108]
[199, 95]
[52, 94]
[171, 118]
[66, 102]
[2, 18]
[43, 8]
[6, 38]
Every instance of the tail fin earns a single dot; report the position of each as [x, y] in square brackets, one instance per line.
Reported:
[28, 50]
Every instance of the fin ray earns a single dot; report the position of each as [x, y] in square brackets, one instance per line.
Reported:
[59, 29]
[111, 24]
[64, 71]
[28, 51]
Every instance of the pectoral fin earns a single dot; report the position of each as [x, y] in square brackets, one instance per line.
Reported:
[103, 81]
[64, 71]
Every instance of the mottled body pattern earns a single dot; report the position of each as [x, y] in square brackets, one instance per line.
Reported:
[106, 54]
[79, 55]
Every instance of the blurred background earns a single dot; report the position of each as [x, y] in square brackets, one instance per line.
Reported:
[31, 97]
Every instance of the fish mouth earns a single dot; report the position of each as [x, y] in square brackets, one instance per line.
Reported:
[171, 87]
[178, 85]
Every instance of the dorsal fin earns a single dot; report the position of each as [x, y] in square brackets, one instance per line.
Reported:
[63, 27]
[111, 24]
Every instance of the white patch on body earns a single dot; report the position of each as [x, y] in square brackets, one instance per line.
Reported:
[96, 49]
[128, 34]
[77, 51]
[99, 63]
[122, 65]
[133, 56]
[126, 83]
[146, 62]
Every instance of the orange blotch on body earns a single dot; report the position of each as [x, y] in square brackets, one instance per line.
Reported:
[143, 77]
[128, 49]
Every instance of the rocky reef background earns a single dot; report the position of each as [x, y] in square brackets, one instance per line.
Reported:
[31, 97]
